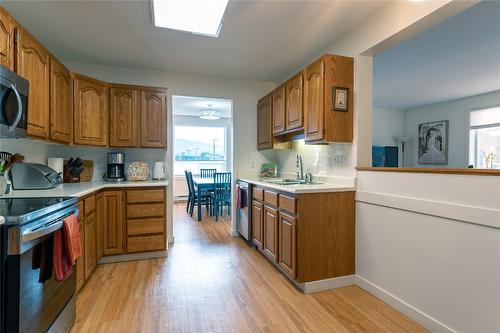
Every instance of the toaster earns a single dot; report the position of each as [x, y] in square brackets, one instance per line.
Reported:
[33, 176]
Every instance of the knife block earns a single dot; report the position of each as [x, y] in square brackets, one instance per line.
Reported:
[68, 177]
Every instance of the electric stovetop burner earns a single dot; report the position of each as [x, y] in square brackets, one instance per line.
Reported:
[23, 210]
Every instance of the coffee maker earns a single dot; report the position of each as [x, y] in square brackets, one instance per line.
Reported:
[115, 171]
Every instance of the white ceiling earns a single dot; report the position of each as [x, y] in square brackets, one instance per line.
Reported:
[457, 58]
[263, 40]
[191, 106]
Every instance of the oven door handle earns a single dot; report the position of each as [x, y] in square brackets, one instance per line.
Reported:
[31, 235]
[19, 108]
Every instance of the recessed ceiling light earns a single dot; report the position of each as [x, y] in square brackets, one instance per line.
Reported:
[201, 17]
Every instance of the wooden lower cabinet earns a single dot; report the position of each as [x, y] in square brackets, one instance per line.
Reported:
[309, 236]
[287, 244]
[80, 262]
[113, 222]
[90, 244]
[100, 218]
[257, 219]
[271, 231]
[146, 216]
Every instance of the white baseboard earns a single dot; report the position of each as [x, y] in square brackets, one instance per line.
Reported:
[326, 284]
[130, 257]
[235, 233]
[420, 317]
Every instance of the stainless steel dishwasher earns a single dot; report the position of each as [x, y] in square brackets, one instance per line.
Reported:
[243, 215]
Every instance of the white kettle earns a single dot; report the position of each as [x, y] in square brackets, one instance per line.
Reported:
[160, 171]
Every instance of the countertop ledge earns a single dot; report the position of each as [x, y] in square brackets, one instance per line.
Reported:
[80, 189]
[304, 188]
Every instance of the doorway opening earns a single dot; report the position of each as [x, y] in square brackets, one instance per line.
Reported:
[202, 142]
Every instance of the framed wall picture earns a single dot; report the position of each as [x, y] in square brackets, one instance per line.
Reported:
[340, 99]
[433, 142]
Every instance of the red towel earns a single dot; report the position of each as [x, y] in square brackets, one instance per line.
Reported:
[66, 248]
[72, 237]
[62, 260]
[238, 196]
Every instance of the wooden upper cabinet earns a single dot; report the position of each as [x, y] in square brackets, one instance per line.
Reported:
[6, 40]
[264, 123]
[124, 113]
[114, 223]
[153, 119]
[90, 111]
[61, 104]
[293, 103]
[279, 110]
[33, 64]
[314, 84]
[322, 122]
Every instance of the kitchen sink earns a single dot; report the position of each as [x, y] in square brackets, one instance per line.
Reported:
[288, 181]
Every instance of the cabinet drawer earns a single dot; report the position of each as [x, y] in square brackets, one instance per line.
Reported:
[258, 193]
[271, 198]
[145, 210]
[89, 204]
[141, 196]
[287, 203]
[145, 226]
[145, 243]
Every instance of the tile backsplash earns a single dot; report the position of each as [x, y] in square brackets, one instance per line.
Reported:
[39, 152]
[321, 160]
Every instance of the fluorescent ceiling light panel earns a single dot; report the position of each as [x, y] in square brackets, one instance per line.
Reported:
[202, 17]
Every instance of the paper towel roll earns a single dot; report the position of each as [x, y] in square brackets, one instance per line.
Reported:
[56, 163]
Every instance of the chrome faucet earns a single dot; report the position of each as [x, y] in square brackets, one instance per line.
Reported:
[300, 168]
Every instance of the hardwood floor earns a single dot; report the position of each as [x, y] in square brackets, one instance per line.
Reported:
[212, 282]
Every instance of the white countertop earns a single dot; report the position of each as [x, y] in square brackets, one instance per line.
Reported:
[340, 186]
[80, 189]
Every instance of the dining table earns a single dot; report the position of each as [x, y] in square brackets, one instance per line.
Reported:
[201, 184]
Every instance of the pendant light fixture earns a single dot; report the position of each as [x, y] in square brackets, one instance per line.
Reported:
[209, 113]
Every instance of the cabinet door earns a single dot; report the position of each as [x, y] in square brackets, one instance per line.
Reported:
[90, 244]
[80, 262]
[279, 110]
[314, 102]
[287, 244]
[33, 64]
[123, 117]
[61, 104]
[264, 123]
[6, 40]
[294, 102]
[257, 219]
[113, 222]
[153, 119]
[99, 224]
[90, 112]
[271, 225]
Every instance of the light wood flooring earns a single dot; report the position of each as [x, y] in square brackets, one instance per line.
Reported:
[212, 282]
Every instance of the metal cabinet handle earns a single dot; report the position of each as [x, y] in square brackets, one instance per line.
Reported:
[19, 108]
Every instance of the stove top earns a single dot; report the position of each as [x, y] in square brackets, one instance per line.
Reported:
[23, 210]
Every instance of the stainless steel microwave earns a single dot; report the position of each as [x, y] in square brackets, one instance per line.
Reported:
[13, 104]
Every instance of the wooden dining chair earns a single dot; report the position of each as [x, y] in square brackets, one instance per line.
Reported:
[206, 198]
[221, 195]
[207, 173]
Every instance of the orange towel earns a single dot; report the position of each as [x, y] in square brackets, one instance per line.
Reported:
[72, 237]
[61, 258]
[66, 248]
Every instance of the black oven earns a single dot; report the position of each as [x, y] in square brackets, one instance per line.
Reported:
[14, 92]
[28, 304]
